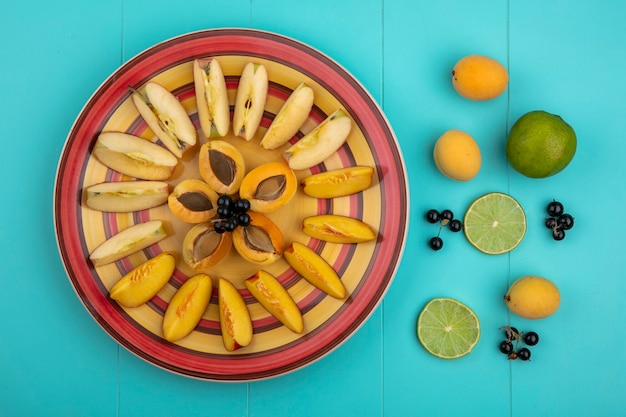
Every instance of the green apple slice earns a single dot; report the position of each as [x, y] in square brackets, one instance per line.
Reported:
[134, 156]
[291, 116]
[128, 241]
[167, 117]
[250, 100]
[211, 97]
[126, 196]
[320, 143]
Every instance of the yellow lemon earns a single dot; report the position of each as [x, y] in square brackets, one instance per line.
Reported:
[457, 155]
[478, 77]
[533, 297]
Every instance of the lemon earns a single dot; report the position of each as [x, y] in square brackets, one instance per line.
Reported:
[540, 144]
[495, 223]
[478, 77]
[457, 155]
[447, 328]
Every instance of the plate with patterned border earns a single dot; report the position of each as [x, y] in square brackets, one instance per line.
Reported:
[366, 269]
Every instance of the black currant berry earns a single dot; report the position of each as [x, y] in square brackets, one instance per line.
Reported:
[506, 347]
[531, 338]
[230, 225]
[513, 355]
[243, 219]
[558, 234]
[224, 200]
[455, 225]
[241, 206]
[511, 333]
[524, 354]
[432, 216]
[551, 223]
[219, 227]
[555, 209]
[565, 221]
[447, 215]
[224, 212]
[436, 243]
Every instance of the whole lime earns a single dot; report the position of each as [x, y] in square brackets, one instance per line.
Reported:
[540, 144]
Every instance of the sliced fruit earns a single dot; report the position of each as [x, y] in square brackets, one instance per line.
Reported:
[166, 116]
[234, 316]
[274, 297]
[320, 143]
[495, 223]
[312, 267]
[250, 100]
[211, 97]
[133, 156]
[222, 166]
[291, 116]
[269, 187]
[187, 307]
[447, 328]
[337, 229]
[144, 282]
[203, 247]
[261, 242]
[339, 182]
[193, 201]
[126, 196]
[128, 241]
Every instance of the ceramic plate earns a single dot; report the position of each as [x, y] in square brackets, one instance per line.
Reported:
[367, 269]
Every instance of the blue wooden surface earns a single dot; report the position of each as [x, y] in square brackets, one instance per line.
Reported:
[563, 57]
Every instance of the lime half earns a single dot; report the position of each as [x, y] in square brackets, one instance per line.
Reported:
[447, 328]
[495, 223]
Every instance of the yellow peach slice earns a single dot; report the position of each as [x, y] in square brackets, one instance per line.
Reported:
[275, 298]
[235, 320]
[312, 267]
[187, 307]
[144, 282]
[338, 182]
[269, 187]
[337, 229]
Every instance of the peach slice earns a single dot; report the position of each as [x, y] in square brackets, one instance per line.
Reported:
[187, 307]
[320, 143]
[128, 241]
[291, 116]
[193, 201]
[222, 166]
[211, 97]
[275, 298]
[235, 320]
[203, 247]
[144, 282]
[312, 267]
[166, 116]
[126, 196]
[339, 182]
[269, 186]
[261, 242]
[250, 100]
[133, 156]
[337, 229]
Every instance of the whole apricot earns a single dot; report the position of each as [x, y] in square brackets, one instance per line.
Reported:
[457, 155]
[478, 77]
[533, 297]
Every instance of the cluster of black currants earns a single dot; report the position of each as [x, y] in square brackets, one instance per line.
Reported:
[559, 221]
[444, 218]
[231, 213]
[514, 339]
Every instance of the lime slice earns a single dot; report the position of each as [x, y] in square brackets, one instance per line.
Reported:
[495, 223]
[447, 328]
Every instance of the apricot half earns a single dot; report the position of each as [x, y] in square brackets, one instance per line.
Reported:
[261, 242]
[203, 247]
[187, 307]
[193, 201]
[269, 187]
[222, 166]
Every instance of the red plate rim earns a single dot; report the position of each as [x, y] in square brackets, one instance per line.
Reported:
[357, 307]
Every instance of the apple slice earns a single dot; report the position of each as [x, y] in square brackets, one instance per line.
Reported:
[187, 307]
[291, 116]
[144, 282]
[312, 267]
[166, 116]
[126, 196]
[320, 143]
[250, 100]
[275, 298]
[128, 241]
[211, 97]
[337, 229]
[134, 156]
[235, 320]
